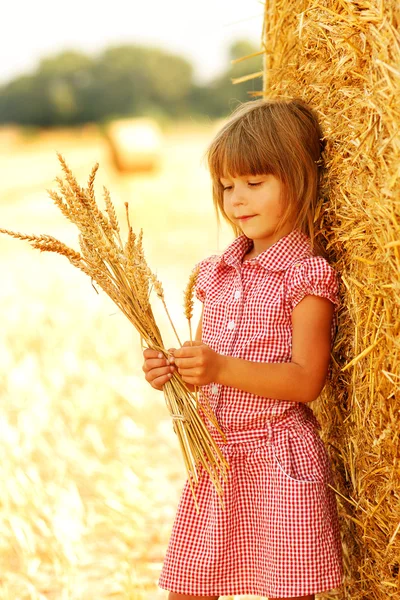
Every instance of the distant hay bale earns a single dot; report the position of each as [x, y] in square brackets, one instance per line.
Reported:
[343, 58]
[135, 144]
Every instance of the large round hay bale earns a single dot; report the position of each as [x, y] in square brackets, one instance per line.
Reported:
[344, 57]
[135, 144]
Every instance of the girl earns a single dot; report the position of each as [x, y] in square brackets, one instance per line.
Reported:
[262, 353]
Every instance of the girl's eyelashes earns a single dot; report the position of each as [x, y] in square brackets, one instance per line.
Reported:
[251, 184]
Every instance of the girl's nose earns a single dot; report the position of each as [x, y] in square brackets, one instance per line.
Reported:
[237, 197]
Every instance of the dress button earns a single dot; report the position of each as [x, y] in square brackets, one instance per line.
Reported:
[214, 389]
[238, 294]
[231, 325]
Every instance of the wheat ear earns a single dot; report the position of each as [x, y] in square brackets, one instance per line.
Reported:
[188, 306]
[123, 274]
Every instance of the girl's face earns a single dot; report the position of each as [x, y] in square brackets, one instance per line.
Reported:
[257, 196]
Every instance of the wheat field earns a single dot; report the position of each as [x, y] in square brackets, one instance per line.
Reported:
[91, 468]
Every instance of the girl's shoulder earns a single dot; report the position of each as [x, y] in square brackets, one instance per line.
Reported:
[310, 262]
[312, 275]
[205, 267]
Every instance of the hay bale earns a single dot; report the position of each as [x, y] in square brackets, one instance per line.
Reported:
[343, 58]
[135, 144]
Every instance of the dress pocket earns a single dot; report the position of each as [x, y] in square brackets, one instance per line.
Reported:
[303, 459]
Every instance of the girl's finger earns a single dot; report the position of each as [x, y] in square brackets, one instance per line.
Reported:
[154, 363]
[149, 353]
[158, 372]
[186, 363]
[186, 374]
[159, 382]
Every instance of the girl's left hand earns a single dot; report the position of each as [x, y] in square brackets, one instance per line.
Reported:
[197, 363]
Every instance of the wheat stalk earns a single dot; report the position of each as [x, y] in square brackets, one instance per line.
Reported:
[122, 272]
[188, 306]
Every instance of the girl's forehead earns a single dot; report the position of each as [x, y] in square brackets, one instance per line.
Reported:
[226, 175]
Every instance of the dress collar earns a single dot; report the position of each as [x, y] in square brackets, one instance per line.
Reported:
[278, 257]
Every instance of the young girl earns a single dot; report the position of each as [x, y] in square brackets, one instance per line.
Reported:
[262, 353]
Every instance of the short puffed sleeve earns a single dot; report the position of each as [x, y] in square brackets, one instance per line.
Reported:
[313, 276]
[206, 267]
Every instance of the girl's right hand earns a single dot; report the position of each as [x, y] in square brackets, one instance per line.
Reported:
[157, 370]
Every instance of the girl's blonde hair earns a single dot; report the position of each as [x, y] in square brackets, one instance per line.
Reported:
[282, 137]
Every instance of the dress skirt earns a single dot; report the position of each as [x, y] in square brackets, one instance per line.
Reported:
[278, 535]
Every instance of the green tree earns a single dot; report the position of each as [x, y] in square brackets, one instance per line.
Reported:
[134, 79]
[51, 96]
[71, 88]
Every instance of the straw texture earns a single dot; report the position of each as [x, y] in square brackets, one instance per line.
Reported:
[344, 59]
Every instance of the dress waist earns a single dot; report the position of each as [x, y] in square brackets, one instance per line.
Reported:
[300, 415]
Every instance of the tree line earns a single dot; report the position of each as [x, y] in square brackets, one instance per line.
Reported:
[72, 88]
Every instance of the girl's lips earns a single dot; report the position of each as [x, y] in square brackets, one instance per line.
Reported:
[246, 218]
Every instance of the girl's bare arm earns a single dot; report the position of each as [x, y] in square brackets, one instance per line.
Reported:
[300, 380]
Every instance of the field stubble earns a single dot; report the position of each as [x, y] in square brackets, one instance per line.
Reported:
[91, 468]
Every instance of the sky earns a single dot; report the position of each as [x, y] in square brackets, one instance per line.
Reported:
[200, 31]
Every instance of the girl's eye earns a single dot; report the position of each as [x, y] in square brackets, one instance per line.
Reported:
[252, 184]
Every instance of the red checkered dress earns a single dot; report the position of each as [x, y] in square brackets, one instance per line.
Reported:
[278, 535]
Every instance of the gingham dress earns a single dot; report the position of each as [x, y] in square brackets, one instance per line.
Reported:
[278, 535]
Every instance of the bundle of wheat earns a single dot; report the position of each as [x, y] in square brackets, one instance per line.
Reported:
[122, 272]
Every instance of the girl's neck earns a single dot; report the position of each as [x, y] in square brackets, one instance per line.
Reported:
[261, 245]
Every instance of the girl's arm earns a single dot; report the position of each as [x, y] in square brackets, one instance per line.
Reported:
[300, 380]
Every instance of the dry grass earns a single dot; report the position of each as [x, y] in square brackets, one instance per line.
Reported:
[122, 272]
[88, 497]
